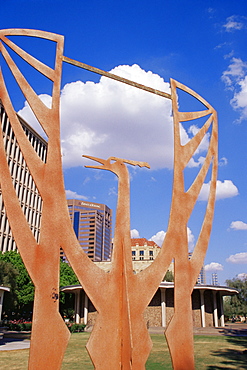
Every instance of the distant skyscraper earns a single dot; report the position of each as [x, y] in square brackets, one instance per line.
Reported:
[202, 276]
[215, 278]
[92, 223]
[27, 193]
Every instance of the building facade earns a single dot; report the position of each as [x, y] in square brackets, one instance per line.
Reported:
[143, 249]
[27, 193]
[143, 254]
[92, 223]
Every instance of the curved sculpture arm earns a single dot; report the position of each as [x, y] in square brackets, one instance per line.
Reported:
[36, 165]
[190, 148]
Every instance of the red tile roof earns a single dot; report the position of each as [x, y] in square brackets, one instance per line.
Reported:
[142, 241]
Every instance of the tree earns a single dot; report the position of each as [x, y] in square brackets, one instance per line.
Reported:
[13, 274]
[237, 304]
[67, 277]
[168, 276]
[8, 276]
[22, 290]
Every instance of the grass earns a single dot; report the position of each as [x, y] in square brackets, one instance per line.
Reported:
[211, 353]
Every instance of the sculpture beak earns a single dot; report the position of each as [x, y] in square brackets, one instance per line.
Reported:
[102, 161]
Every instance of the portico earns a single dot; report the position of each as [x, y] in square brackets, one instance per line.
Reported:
[207, 305]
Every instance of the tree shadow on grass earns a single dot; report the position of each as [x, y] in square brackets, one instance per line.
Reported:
[232, 358]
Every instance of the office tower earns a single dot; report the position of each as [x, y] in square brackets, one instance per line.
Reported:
[201, 279]
[92, 223]
[215, 278]
[28, 195]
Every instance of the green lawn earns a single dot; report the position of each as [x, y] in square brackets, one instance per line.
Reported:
[211, 353]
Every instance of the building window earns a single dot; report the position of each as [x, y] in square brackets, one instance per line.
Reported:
[141, 253]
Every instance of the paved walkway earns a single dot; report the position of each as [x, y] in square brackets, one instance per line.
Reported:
[14, 340]
[229, 329]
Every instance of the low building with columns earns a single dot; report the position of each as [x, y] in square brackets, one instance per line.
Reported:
[3, 289]
[207, 305]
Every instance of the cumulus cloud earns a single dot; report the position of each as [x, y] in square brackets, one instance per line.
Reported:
[73, 195]
[134, 234]
[224, 189]
[159, 237]
[235, 79]
[223, 161]
[110, 118]
[238, 225]
[234, 23]
[235, 73]
[242, 276]
[213, 266]
[239, 101]
[238, 258]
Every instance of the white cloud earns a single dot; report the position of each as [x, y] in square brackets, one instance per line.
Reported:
[225, 189]
[223, 161]
[234, 23]
[159, 237]
[242, 276]
[239, 101]
[110, 118]
[238, 258]
[213, 266]
[191, 239]
[73, 195]
[134, 234]
[238, 225]
[235, 79]
[235, 72]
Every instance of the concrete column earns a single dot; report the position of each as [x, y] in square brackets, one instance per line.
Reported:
[85, 309]
[215, 309]
[77, 306]
[1, 302]
[203, 320]
[222, 318]
[163, 307]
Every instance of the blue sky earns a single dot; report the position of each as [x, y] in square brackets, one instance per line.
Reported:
[200, 44]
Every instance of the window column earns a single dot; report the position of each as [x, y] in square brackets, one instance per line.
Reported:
[77, 306]
[85, 309]
[215, 309]
[163, 307]
[202, 308]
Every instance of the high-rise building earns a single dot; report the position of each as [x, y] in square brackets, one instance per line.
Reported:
[92, 223]
[215, 278]
[27, 193]
[201, 279]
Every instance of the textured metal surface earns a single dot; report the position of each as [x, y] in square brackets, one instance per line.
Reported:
[115, 77]
[120, 339]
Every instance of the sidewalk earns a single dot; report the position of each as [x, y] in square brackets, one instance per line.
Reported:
[12, 340]
[229, 329]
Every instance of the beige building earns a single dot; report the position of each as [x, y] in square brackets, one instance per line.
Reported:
[143, 254]
[143, 249]
[30, 200]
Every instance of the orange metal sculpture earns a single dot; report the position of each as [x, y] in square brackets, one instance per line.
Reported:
[120, 297]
